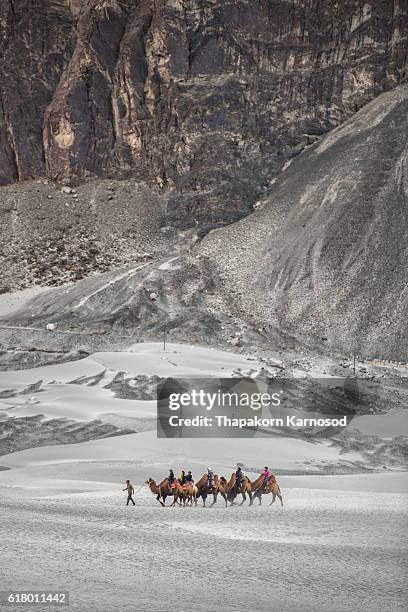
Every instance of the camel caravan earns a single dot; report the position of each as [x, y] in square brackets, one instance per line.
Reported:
[184, 491]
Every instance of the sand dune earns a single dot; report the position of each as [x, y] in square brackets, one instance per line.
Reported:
[321, 552]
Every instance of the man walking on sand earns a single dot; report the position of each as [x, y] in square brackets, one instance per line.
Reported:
[130, 491]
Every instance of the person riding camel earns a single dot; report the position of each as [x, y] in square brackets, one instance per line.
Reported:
[182, 478]
[266, 474]
[239, 476]
[189, 477]
[210, 475]
[171, 479]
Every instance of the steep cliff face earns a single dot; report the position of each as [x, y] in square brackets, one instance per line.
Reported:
[36, 40]
[208, 99]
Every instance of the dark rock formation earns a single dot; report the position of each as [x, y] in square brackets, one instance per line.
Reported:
[205, 98]
[37, 38]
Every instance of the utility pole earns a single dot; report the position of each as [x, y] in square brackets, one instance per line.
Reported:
[354, 362]
[164, 338]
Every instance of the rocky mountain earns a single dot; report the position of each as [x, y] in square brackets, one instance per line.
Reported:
[204, 99]
[320, 264]
[324, 259]
[130, 130]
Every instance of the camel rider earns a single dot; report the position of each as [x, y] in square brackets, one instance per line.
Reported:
[182, 478]
[210, 475]
[189, 477]
[266, 475]
[171, 479]
[239, 476]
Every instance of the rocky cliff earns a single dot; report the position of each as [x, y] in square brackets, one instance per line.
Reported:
[203, 98]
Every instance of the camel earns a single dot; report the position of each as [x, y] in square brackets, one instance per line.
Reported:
[163, 491]
[189, 494]
[232, 490]
[204, 490]
[272, 486]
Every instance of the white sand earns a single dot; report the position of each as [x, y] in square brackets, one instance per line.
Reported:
[324, 551]
[81, 476]
[77, 402]
[145, 454]
[59, 399]
[285, 453]
[141, 359]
